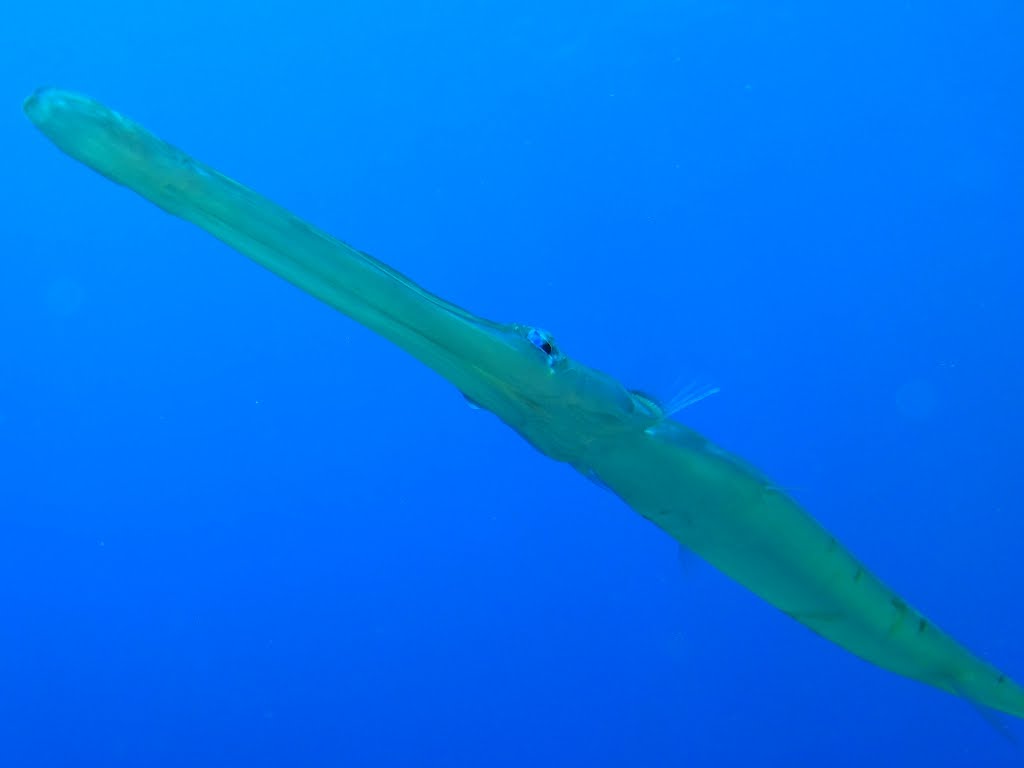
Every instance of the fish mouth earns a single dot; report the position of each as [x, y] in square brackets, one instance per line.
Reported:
[47, 103]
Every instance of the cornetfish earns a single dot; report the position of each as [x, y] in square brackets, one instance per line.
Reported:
[709, 500]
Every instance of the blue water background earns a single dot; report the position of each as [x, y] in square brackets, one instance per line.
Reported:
[240, 530]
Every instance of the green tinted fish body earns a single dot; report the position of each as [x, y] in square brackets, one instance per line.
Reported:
[710, 501]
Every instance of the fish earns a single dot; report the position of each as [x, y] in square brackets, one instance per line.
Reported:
[709, 500]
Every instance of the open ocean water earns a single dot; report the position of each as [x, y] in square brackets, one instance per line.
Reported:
[240, 530]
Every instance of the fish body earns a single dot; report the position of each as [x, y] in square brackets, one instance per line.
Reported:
[710, 501]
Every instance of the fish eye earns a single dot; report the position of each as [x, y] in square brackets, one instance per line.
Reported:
[543, 341]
